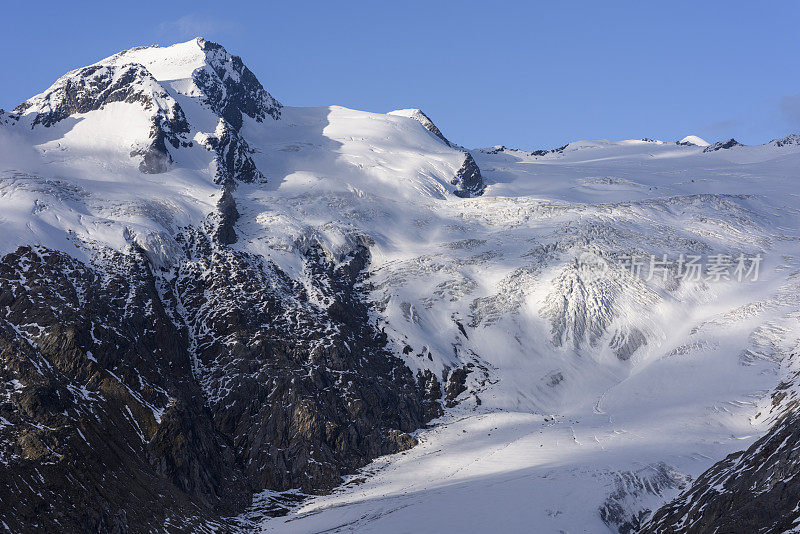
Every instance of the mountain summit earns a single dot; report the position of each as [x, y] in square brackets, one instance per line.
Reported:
[155, 78]
[693, 140]
[199, 69]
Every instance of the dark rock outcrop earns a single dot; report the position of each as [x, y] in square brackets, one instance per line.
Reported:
[559, 150]
[502, 149]
[155, 156]
[722, 145]
[133, 398]
[233, 156]
[425, 121]
[756, 490]
[456, 384]
[789, 140]
[468, 179]
[419, 116]
[91, 88]
[231, 89]
[431, 394]
[227, 214]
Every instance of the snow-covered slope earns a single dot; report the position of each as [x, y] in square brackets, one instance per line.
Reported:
[423, 119]
[693, 140]
[151, 119]
[579, 396]
[592, 395]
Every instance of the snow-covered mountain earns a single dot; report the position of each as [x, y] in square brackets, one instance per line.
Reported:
[213, 307]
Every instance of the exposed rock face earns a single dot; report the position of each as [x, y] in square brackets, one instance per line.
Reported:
[231, 89]
[722, 145]
[233, 156]
[456, 385]
[226, 217]
[102, 426]
[749, 491]
[558, 150]
[155, 155]
[133, 397]
[789, 140]
[91, 88]
[223, 84]
[468, 178]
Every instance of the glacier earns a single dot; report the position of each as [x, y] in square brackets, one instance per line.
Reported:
[577, 397]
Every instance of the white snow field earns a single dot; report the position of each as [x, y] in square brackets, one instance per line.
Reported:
[593, 396]
[567, 432]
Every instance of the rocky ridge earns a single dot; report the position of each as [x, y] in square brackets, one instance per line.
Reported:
[161, 392]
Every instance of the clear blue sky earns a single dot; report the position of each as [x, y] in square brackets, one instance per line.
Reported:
[525, 74]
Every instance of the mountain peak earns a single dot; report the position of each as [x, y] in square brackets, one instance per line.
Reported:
[693, 140]
[722, 145]
[91, 88]
[198, 68]
[789, 140]
[419, 116]
[204, 68]
[165, 63]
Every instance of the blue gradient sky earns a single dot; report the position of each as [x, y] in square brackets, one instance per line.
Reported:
[524, 74]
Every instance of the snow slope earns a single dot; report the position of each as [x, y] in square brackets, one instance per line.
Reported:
[571, 430]
[591, 395]
[694, 140]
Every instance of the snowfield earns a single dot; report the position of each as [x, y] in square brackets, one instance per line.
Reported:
[570, 433]
[592, 396]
